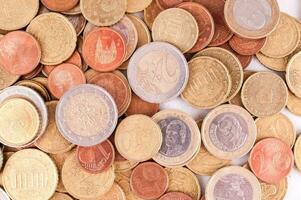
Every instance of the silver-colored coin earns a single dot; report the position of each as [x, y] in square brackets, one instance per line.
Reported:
[86, 115]
[3, 195]
[158, 72]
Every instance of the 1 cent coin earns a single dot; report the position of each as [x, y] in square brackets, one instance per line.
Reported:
[293, 74]
[297, 153]
[229, 132]
[149, 180]
[175, 196]
[245, 46]
[59, 5]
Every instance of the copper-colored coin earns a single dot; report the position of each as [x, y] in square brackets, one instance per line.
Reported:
[175, 196]
[78, 22]
[139, 106]
[271, 160]
[264, 94]
[63, 78]
[6, 78]
[277, 64]
[33, 73]
[294, 104]
[165, 4]
[245, 46]
[222, 33]
[60, 196]
[150, 13]
[149, 180]
[59, 5]
[293, 75]
[117, 86]
[104, 49]
[98, 158]
[205, 24]
[20, 53]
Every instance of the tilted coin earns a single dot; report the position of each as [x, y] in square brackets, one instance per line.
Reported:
[144, 36]
[209, 83]
[294, 104]
[228, 132]
[84, 185]
[103, 12]
[183, 180]
[264, 94]
[274, 191]
[293, 74]
[150, 13]
[206, 164]
[297, 153]
[36, 86]
[30, 174]
[60, 196]
[231, 63]
[245, 46]
[41, 80]
[137, 5]
[277, 126]
[275, 46]
[59, 5]
[16, 14]
[176, 26]
[181, 138]
[56, 36]
[98, 115]
[253, 20]
[157, 72]
[138, 138]
[233, 183]
[277, 64]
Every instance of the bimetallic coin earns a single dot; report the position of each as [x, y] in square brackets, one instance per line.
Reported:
[264, 94]
[293, 74]
[176, 26]
[252, 19]
[97, 111]
[157, 72]
[274, 191]
[271, 160]
[233, 183]
[229, 132]
[181, 138]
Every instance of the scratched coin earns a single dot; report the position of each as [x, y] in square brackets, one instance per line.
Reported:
[176, 26]
[264, 94]
[133, 133]
[30, 170]
[183, 180]
[229, 132]
[277, 64]
[233, 183]
[231, 63]
[297, 153]
[294, 104]
[98, 113]
[252, 19]
[181, 138]
[271, 160]
[274, 191]
[209, 83]
[293, 75]
[103, 12]
[276, 126]
[157, 72]
[275, 46]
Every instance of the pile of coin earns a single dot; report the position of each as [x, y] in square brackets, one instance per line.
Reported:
[82, 82]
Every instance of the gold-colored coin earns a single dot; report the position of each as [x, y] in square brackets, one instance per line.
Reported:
[176, 26]
[273, 191]
[60, 196]
[42, 80]
[277, 126]
[294, 104]
[137, 5]
[144, 36]
[56, 36]
[206, 164]
[82, 184]
[183, 180]
[277, 64]
[16, 14]
[74, 11]
[138, 138]
[36, 86]
[124, 165]
[7, 79]
[52, 140]
[103, 12]
[19, 122]
[209, 83]
[284, 39]
[264, 94]
[115, 193]
[231, 62]
[6, 156]
[30, 174]
[293, 74]
[297, 153]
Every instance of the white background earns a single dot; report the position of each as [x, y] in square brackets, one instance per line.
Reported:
[293, 8]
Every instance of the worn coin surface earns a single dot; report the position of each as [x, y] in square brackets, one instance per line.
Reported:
[294, 104]
[209, 83]
[271, 160]
[293, 74]
[277, 64]
[176, 26]
[245, 46]
[264, 94]
[138, 138]
[297, 153]
[98, 113]
[233, 183]
[181, 138]
[253, 20]
[274, 191]
[157, 72]
[228, 132]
